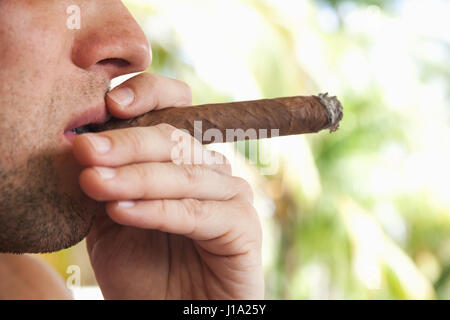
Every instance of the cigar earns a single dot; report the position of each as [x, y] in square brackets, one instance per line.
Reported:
[246, 120]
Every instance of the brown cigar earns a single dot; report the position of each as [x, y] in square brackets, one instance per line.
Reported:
[243, 120]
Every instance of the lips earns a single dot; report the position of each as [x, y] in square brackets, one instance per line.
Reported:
[81, 123]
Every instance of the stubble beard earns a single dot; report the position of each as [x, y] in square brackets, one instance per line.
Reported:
[42, 207]
[36, 217]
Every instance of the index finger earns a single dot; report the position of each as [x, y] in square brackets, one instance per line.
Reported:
[131, 145]
[160, 143]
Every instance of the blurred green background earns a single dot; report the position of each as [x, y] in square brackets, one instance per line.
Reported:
[363, 213]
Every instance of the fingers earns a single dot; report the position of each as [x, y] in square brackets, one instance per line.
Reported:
[198, 220]
[160, 181]
[147, 92]
[124, 146]
[159, 143]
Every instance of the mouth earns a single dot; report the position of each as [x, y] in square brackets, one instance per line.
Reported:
[81, 124]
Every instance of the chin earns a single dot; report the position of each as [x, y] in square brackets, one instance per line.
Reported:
[72, 226]
[59, 223]
[42, 207]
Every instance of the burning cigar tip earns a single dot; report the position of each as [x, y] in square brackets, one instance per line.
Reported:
[334, 109]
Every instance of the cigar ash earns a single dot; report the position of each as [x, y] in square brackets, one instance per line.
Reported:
[334, 109]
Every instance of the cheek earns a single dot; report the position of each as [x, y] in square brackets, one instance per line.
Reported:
[34, 59]
[34, 52]
[34, 43]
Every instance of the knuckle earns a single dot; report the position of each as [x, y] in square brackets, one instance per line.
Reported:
[141, 171]
[218, 158]
[135, 139]
[163, 212]
[216, 161]
[193, 208]
[225, 164]
[192, 173]
[248, 209]
[228, 168]
[258, 234]
[170, 134]
[186, 92]
[224, 168]
[144, 175]
[254, 223]
[244, 188]
[166, 130]
[225, 159]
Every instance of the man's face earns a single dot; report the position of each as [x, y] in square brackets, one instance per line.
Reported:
[53, 79]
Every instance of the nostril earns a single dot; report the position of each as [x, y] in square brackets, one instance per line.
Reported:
[116, 62]
[113, 66]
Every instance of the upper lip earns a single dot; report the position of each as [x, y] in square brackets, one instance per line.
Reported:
[95, 115]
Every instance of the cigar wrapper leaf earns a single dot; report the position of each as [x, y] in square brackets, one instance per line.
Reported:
[290, 115]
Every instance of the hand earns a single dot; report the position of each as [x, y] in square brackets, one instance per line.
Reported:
[171, 231]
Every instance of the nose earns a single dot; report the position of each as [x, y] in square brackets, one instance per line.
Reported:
[111, 41]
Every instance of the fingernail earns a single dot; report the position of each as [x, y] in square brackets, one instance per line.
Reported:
[122, 96]
[126, 204]
[105, 173]
[101, 144]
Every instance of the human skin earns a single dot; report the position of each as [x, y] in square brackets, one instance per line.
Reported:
[192, 232]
